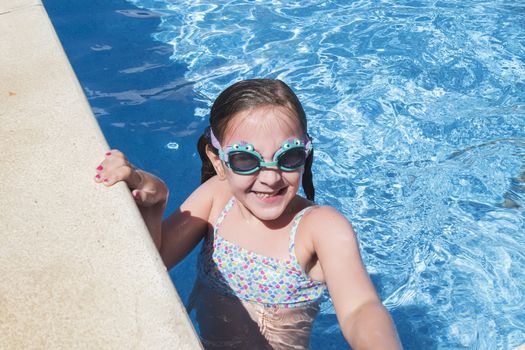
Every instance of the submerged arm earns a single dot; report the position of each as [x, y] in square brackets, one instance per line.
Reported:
[364, 321]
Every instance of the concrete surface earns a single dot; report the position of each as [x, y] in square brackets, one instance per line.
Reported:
[79, 270]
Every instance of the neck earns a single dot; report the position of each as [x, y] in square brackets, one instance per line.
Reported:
[246, 214]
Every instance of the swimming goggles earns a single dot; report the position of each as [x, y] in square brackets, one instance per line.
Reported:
[243, 159]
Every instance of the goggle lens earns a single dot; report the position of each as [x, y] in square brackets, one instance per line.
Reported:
[243, 162]
[292, 159]
[247, 163]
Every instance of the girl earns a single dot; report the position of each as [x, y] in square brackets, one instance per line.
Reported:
[268, 253]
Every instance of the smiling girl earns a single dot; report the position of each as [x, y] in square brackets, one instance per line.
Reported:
[268, 253]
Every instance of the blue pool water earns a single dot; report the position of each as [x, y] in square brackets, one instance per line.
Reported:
[418, 113]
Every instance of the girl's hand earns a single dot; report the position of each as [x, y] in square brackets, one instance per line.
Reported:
[147, 189]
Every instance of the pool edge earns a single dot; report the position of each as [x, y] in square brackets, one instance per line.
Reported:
[79, 267]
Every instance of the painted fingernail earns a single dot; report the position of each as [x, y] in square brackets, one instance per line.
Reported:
[136, 195]
[108, 153]
[97, 176]
[100, 167]
[105, 180]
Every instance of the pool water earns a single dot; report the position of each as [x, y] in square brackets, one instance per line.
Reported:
[417, 109]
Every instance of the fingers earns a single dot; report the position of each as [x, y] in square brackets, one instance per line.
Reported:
[114, 175]
[114, 168]
[146, 188]
[139, 196]
[146, 197]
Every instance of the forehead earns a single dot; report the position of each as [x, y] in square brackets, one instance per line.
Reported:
[263, 123]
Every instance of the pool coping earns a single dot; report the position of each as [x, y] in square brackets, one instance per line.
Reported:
[79, 267]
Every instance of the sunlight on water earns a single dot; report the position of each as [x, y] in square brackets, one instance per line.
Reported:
[418, 115]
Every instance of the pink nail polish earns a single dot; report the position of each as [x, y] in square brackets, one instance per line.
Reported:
[108, 153]
[97, 176]
[100, 167]
[105, 180]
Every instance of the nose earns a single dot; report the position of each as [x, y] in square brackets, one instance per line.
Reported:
[269, 175]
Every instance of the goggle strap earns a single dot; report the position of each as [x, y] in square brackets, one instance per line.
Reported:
[308, 145]
[215, 143]
[223, 156]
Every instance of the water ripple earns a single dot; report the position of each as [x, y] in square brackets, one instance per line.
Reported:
[418, 114]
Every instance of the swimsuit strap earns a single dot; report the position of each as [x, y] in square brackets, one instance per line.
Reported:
[293, 231]
[222, 215]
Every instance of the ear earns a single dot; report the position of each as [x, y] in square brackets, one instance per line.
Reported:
[218, 165]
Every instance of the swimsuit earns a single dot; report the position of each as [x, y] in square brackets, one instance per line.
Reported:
[246, 300]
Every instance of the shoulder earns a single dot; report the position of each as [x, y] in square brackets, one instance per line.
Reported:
[324, 214]
[210, 194]
[215, 192]
[214, 188]
[327, 223]
[214, 184]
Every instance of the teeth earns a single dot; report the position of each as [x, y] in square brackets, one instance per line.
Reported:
[264, 195]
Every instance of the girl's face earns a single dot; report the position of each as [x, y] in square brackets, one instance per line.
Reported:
[267, 193]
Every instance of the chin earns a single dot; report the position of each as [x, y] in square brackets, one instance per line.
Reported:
[268, 207]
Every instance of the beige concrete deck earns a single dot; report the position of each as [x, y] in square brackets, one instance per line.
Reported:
[78, 268]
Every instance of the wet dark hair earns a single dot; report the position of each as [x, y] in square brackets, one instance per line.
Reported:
[248, 94]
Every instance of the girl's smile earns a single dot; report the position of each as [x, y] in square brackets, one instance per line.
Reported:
[269, 196]
[266, 193]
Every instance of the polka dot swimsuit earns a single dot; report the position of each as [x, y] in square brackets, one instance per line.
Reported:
[232, 270]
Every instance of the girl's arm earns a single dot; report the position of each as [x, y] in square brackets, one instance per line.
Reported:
[182, 230]
[149, 192]
[364, 321]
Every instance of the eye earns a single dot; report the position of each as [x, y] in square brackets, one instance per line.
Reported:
[297, 142]
[286, 146]
[249, 147]
[292, 159]
[235, 146]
